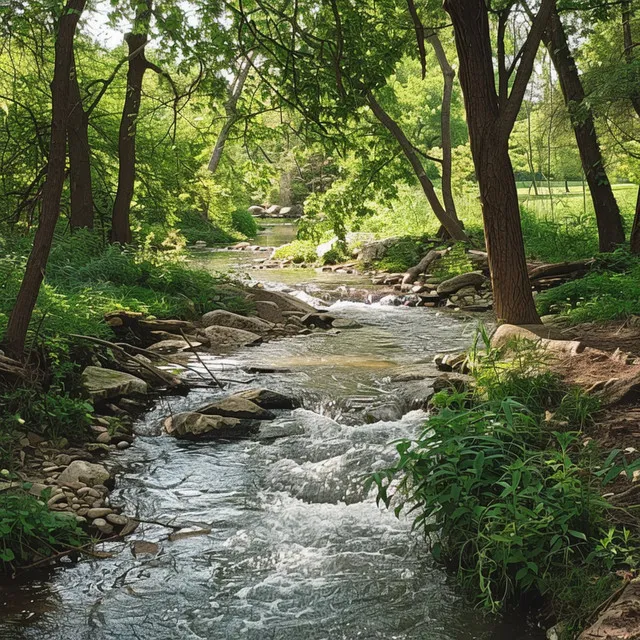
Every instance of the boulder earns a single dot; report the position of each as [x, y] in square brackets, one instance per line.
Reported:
[236, 407]
[221, 318]
[228, 337]
[257, 210]
[274, 210]
[452, 285]
[81, 471]
[268, 399]
[165, 347]
[269, 312]
[319, 320]
[325, 247]
[104, 384]
[539, 334]
[194, 425]
[372, 251]
[284, 301]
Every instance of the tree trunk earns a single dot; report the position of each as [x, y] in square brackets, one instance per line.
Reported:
[448, 75]
[627, 14]
[634, 241]
[22, 311]
[82, 207]
[490, 124]
[609, 220]
[120, 223]
[231, 112]
[451, 223]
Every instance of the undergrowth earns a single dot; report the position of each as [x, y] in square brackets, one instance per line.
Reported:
[508, 495]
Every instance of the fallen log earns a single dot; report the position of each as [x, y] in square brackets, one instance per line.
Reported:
[560, 269]
[431, 257]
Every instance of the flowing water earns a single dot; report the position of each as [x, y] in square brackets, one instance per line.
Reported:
[296, 549]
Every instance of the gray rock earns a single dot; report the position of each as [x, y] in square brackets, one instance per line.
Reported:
[268, 399]
[99, 512]
[325, 247]
[123, 444]
[176, 345]
[236, 407]
[220, 318]
[345, 323]
[117, 519]
[270, 312]
[87, 472]
[373, 251]
[274, 209]
[257, 210]
[319, 320]
[452, 285]
[104, 384]
[284, 301]
[104, 438]
[224, 338]
[103, 526]
[196, 425]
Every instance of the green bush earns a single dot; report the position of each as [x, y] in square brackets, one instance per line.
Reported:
[297, 251]
[245, 223]
[402, 255]
[29, 531]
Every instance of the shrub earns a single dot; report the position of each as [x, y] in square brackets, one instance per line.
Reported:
[245, 223]
[30, 531]
[297, 251]
[402, 255]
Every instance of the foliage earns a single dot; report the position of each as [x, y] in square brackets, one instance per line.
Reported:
[402, 255]
[510, 504]
[453, 263]
[245, 223]
[298, 251]
[29, 531]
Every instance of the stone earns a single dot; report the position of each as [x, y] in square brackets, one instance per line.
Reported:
[224, 338]
[319, 320]
[236, 407]
[220, 318]
[88, 491]
[268, 399]
[56, 499]
[167, 347]
[274, 209]
[104, 384]
[270, 312]
[87, 472]
[541, 335]
[62, 459]
[325, 247]
[284, 301]
[345, 323]
[103, 526]
[257, 210]
[196, 425]
[117, 519]
[99, 512]
[372, 251]
[104, 437]
[452, 285]
[123, 444]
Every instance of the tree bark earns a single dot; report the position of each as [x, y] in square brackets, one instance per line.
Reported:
[82, 208]
[450, 222]
[609, 220]
[231, 112]
[627, 14]
[136, 40]
[448, 75]
[634, 241]
[22, 311]
[490, 120]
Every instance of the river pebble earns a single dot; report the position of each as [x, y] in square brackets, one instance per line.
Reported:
[98, 512]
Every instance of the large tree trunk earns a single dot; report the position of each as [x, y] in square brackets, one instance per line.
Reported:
[634, 241]
[450, 222]
[34, 273]
[82, 207]
[627, 14]
[231, 112]
[609, 220]
[490, 119]
[136, 40]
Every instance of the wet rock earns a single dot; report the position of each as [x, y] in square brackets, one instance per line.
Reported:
[103, 526]
[389, 412]
[319, 320]
[268, 399]
[123, 444]
[197, 425]
[176, 345]
[452, 362]
[270, 312]
[284, 301]
[87, 472]
[104, 384]
[453, 381]
[452, 285]
[237, 407]
[223, 338]
[99, 512]
[345, 323]
[117, 519]
[221, 318]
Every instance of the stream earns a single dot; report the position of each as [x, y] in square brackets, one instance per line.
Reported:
[297, 549]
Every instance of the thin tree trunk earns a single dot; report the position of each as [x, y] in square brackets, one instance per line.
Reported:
[609, 220]
[634, 242]
[82, 208]
[627, 14]
[22, 311]
[530, 154]
[448, 75]
[136, 40]
[490, 119]
[451, 224]
[231, 112]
